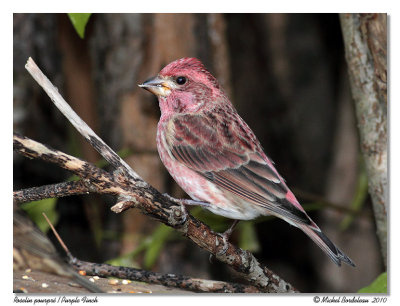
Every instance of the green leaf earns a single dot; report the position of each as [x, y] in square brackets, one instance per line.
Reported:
[216, 222]
[123, 261]
[79, 21]
[360, 195]
[35, 210]
[248, 236]
[159, 237]
[128, 259]
[123, 153]
[379, 285]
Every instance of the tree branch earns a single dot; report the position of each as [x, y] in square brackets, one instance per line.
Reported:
[132, 191]
[365, 45]
[51, 191]
[170, 280]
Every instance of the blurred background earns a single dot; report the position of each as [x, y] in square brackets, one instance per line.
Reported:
[285, 73]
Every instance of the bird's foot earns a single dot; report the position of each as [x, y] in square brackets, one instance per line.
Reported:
[187, 201]
[229, 231]
[225, 239]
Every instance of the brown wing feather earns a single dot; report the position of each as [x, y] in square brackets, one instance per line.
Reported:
[233, 161]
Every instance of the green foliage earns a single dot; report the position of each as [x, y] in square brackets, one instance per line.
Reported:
[248, 239]
[216, 222]
[124, 261]
[128, 260]
[79, 21]
[158, 239]
[151, 247]
[360, 195]
[379, 285]
[123, 153]
[35, 210]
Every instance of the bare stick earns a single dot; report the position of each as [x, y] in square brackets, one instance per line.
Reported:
[78, 123]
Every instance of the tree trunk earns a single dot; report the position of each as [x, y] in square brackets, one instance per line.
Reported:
[365, 45]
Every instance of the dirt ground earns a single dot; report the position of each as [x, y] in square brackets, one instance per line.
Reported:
[40, 282]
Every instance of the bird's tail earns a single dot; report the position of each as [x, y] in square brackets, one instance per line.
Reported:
[326, 245]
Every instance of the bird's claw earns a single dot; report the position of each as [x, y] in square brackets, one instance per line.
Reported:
[225, 246]
[225, 238]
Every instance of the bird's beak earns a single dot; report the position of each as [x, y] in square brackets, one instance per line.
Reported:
[157, 85]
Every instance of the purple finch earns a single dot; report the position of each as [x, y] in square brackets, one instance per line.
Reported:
[215, 157]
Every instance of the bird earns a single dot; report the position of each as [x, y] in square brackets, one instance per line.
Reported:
[214, 156]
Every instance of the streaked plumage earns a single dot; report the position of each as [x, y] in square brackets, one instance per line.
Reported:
[215, 157]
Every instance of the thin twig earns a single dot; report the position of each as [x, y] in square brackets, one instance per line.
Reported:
[56, 234]
[323, 203]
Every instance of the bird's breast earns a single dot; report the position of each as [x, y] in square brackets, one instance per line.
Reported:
[186, 178]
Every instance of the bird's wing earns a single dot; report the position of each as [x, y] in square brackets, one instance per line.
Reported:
[224, 150]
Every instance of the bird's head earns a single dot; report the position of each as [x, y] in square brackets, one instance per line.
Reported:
[184, 85]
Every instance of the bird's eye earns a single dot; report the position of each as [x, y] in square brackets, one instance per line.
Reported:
[180, 80]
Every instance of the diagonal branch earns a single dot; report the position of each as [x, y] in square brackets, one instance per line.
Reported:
[132, 191]
[97, 143]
